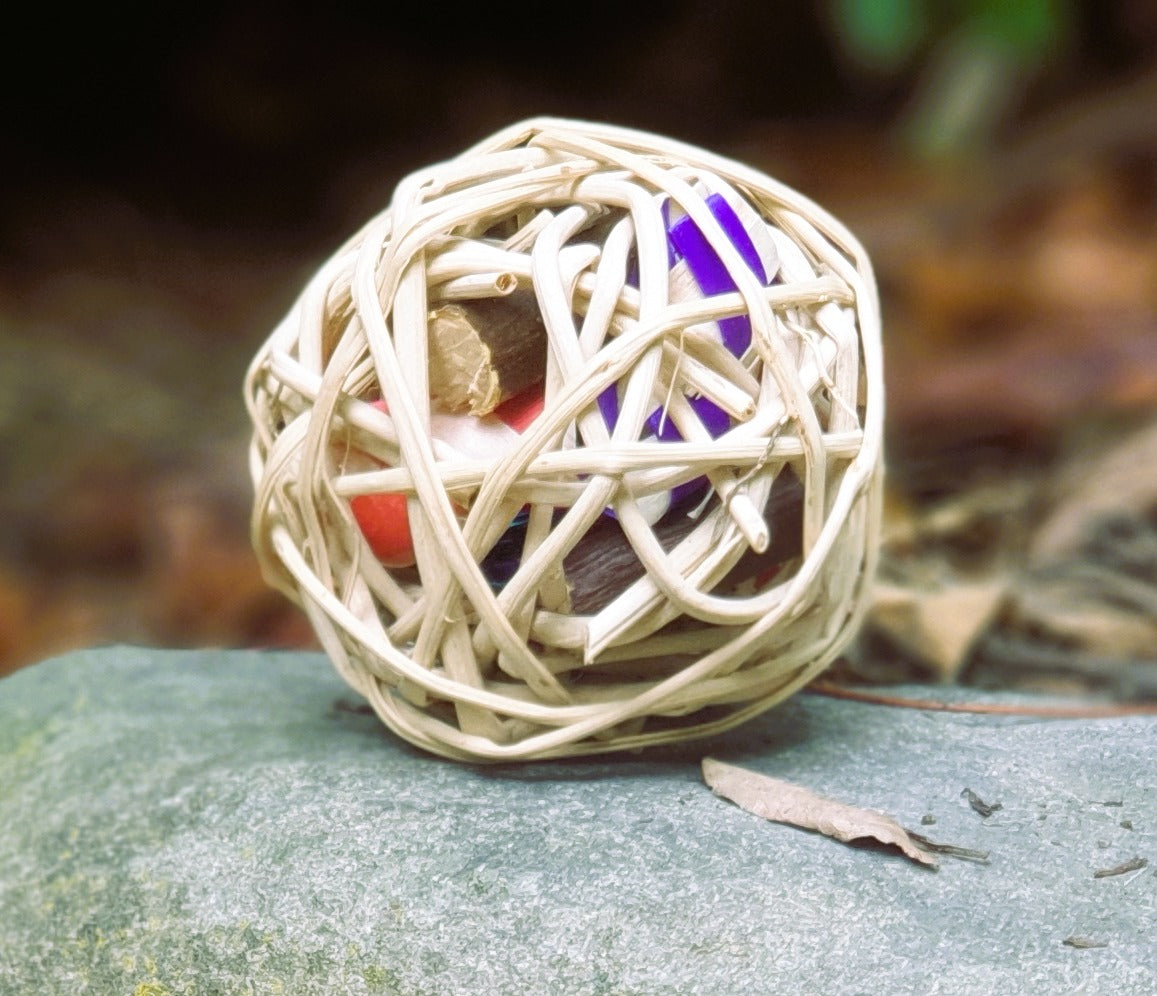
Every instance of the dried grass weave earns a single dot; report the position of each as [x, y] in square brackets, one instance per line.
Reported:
[474, 670]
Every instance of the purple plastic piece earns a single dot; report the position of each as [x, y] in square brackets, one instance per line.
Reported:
[608, 403]
[685, 240]
[708, 269]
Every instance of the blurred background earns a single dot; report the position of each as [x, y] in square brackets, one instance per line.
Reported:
[173, 177]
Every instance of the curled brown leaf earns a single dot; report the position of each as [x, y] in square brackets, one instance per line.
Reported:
[783, 802]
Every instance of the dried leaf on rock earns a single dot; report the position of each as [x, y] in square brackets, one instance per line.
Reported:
[1076, 616]
[1077, 941]
[952, 850]
[782, 802]
[1096, 487]
[984, 809]
[1132, 865]
[1090, 583]
[938, 627]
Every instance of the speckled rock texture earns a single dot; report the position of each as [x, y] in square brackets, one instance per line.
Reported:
[233, 822]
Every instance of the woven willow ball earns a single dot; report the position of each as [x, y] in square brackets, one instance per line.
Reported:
[576, 447]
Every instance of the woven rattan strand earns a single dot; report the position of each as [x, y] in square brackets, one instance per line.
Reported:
[472, 668]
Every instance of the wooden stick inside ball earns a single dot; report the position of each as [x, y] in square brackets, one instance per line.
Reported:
[603, 563]
[485, 351]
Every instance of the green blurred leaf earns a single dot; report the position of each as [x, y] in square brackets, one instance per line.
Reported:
[883, 34]
[1029, 28]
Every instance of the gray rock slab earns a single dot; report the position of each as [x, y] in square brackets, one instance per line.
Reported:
[230, 822]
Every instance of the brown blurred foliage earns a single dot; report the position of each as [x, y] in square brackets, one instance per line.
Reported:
[174, 185]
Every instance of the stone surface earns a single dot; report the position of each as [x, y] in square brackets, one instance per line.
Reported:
[222, 822]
